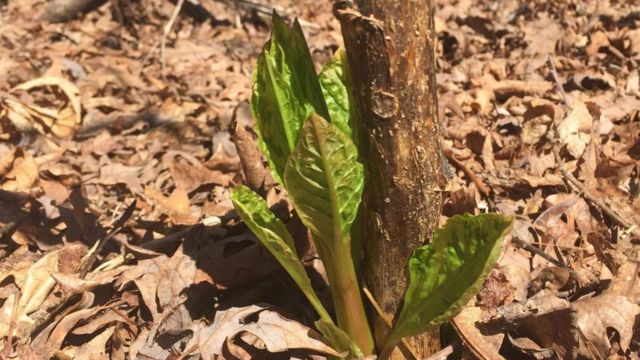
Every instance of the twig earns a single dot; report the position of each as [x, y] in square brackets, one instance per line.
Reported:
[405, 348]
[556, 78]
[442, 354]
[631, 228]
[147, 57]
[482, 187]
[93, 255]
[8, 346]
[534, 250]
[86, 265]
[165, 33]
[123, 316]
[572, 181]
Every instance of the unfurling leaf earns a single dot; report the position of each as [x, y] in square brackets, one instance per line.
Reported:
[334, 80]
[273, 234]
[286, 91]
[325, 181]
[446, 274]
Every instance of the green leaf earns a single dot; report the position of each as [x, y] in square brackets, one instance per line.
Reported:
[334, 79]
[273, 234]
[325, 181]
[286, 91]
[446, 274]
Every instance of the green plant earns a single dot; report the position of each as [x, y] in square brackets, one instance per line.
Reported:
[306, 131]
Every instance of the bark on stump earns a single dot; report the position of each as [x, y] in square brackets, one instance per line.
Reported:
[390, 48]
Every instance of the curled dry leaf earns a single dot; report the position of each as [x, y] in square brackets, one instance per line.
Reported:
[37, 285]
[597, 315]
[60, 119]
[189, 173]
[176, 206]
[277, 333]
[66, 324]
[615, 309]
[20, 171]
[75, 285]
[91, 350]
[575, 129]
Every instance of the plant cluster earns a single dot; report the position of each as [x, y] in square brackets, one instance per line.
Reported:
[306, 130]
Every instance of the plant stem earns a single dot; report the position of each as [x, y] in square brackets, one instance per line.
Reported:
[386, 351]
[347, 299]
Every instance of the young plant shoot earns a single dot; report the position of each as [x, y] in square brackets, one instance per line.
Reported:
[305, 127]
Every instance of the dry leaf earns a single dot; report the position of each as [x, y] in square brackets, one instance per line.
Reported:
[277, 333]
[23, 173]
[176, 206]
[575, 129]
[37, 285]
[60, 120]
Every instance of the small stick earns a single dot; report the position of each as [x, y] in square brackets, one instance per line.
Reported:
[87, 264]
[91, 258]
[442, 354]
[534, 250]
[482, 187]
[631, 228]
[165, 33]
[406, 350]
[556, 78]
[8, 347]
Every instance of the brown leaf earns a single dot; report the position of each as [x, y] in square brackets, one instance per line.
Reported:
[277, 333]
[162, 279]
[575, 129]
[598, 314]
[549, 321]
[190, 174]
[66, 324]
[23, 173]
[176, 206]
[542, 35]
[96, 348]
[60, 119]
[507, 88]
[597, 41]
[114, 173]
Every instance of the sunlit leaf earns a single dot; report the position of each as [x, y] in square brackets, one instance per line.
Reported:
[446, 274]
[273, 234]
[286, 91]
[335, 88]
[325, 181]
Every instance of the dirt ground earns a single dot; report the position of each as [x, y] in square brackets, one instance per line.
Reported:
[119, 240]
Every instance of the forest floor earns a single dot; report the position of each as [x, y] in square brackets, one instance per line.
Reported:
[119, 240]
